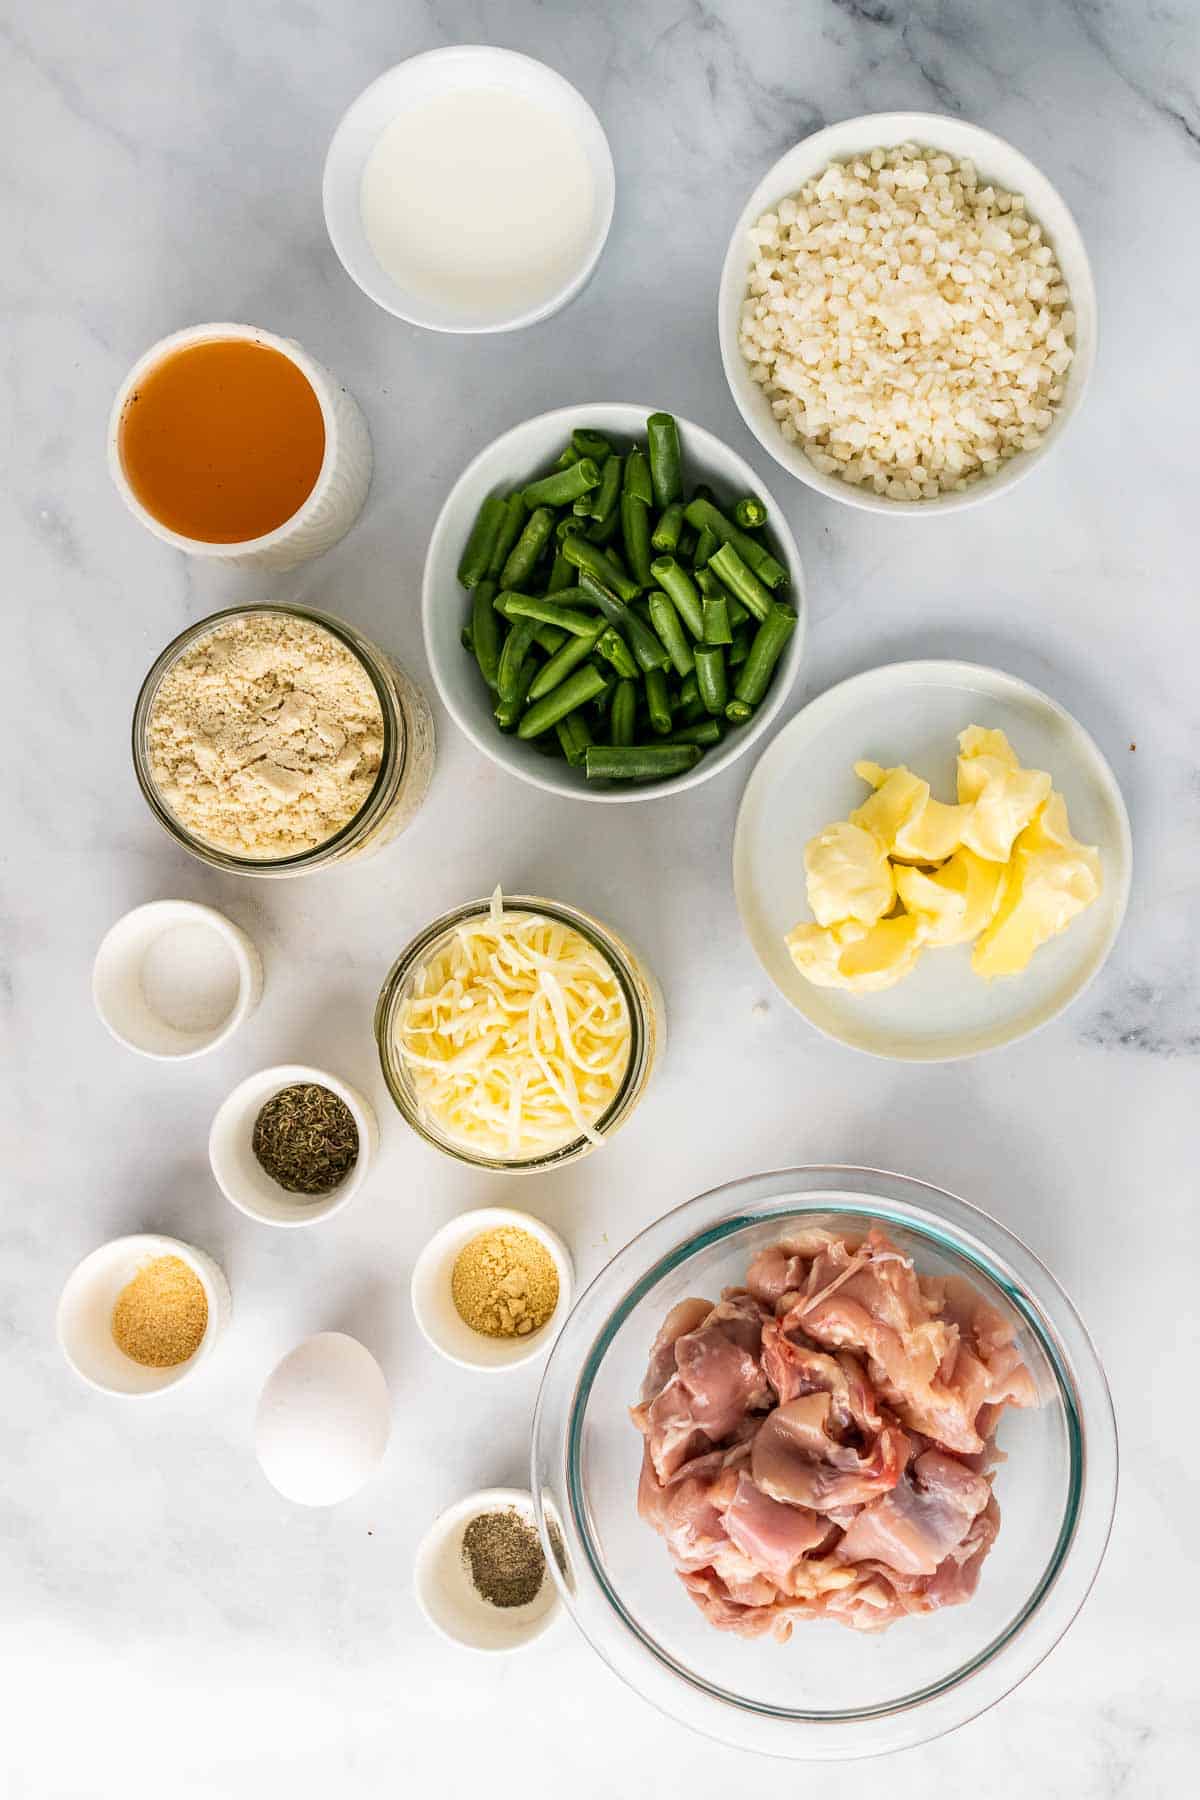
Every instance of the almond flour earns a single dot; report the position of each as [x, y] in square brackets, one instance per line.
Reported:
[265, 737]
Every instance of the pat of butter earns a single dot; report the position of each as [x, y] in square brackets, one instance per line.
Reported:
[849, 876]
[861, 959]
[911, 826]
[1051, 880]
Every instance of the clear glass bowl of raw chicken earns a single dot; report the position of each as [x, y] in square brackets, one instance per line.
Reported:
[1034, 1504]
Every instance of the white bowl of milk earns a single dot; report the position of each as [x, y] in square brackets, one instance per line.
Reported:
[469, 190]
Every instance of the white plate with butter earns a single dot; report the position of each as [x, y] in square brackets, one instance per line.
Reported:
[911, 713]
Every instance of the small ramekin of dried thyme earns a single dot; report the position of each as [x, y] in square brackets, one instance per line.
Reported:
[480, 1575]
[292, 1145]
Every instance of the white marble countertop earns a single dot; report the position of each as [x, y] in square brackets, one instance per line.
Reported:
[169, 1624]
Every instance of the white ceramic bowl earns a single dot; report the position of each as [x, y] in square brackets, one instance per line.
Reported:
[516, 458]
[342, 481]
[173, 979]
[996, 161]
[439, 1318]
[447, 1595]
[242, 1178]
[84, 1321]
[412, 83]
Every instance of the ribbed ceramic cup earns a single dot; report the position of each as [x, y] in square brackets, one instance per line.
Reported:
[340, 488]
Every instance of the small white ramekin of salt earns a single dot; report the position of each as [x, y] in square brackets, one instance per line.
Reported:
[174, 979]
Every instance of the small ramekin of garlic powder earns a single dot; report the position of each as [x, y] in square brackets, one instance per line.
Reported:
[141, 1313]
[275, 740]
[518, 1034]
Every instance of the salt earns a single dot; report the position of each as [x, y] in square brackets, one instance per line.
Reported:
[189, 978]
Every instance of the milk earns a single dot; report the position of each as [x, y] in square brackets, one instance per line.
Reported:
[478, 198]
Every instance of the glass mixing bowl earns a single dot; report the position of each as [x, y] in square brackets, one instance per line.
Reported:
[830, 1692]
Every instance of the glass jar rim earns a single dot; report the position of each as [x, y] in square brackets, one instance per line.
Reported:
[601, 938]
[974, 1237]
[395, 741]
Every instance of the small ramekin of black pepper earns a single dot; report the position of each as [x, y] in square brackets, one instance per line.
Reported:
[292, 1145]
[481, 1577]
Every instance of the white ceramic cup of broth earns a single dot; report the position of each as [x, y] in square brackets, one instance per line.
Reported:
[333, 502]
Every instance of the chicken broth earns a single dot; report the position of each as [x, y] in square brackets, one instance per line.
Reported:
[222, 441]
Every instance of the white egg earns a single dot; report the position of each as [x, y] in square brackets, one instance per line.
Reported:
[323, 1420]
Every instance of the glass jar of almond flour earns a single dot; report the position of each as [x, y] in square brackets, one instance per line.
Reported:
[275, 740]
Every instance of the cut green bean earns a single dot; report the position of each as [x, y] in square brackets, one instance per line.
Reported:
[706, 542]
[566, 528]
[662, 439]
[467, 639]
[665, 536]
[562, 486]
[705, 732]
[637, 478]
[613, 648]
[563, 662]
[687, 544]
[688, 689]
[716, 621]
[591, 559]
[522, 558]
[750, 513]
[511, 527]
[738, 712]
[562, 575]
[642, 641]
[770, 640]
[689, 712]
[674, 580]
[622, 713]
[701, 512]
[547, 637]
[658, 702]
[549, 612]
[479, 547]
[509, 711]
[742, 582]
[635, 529]
[640, 762]
[575, 691]
[516, 648]
[567, 456]
[710, 677]
[574, 735]
[739, 648]
[603, 499]
[603, 531]
[591, 443]
[665, 621]
[485, 631]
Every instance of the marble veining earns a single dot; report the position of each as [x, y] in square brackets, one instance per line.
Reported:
[168, 1622]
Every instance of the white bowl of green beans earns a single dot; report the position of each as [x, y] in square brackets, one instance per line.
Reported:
[613, 603]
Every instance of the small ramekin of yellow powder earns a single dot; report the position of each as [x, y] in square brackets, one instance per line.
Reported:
[160, 1317]
[491, 1288]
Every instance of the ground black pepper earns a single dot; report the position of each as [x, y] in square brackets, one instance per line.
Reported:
[504, 1556]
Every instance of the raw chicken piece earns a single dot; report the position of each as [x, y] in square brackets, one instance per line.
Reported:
[820, 1444]
[794, 1458]
[914, 1528]
[774, 1536]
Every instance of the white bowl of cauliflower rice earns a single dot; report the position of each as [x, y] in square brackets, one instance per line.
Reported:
[907, 315]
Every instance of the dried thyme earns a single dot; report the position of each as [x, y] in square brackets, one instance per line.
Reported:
[306, 1139]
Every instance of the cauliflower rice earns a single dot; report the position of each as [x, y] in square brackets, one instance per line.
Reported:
[911, 329]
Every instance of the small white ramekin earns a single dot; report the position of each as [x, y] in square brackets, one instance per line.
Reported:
[426, 77]
[119, 995]
[997, 162]
[342, 481]
[447, 1596]
[242, 1178]
[85, 1309]
[438, 1317]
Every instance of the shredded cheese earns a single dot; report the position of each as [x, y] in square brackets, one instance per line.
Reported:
[516, 1035]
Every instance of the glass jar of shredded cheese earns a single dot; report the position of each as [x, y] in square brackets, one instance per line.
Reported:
[298, 764]
[518, 1033]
